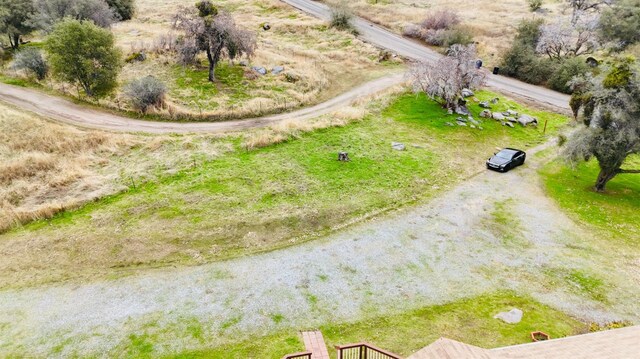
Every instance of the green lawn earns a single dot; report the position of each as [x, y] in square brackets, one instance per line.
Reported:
[615, 213]
[470, 321]
[250, 201]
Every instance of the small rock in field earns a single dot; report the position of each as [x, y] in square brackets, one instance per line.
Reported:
[449, 124]
[495, 100]
[472, 126]
[467, 93]
[484, 104]
[512, 113]
[398, 146]
[485, 114]
[277, 70]
[498, 116]
[460, 119]
[244, 63]
[476, 100]
[260, 70]
[512, 317]
[461, 123]
[526, 120]
[511, 119]
[509, 124]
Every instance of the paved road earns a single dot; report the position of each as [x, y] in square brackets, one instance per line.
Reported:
[63, 110]
[384, 38]
[430, 254]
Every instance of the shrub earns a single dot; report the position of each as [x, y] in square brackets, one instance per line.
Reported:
[528, 32]
[441, 28]
[535, 5]
[521, 62]
[441, 20]
[567, 70]
[146, 93]
[124, 9]
[620, 23]
[341, 16]
[85, 55]
[31, 60]
[458, 35]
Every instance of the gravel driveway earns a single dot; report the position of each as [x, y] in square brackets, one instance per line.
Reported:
[429, 254]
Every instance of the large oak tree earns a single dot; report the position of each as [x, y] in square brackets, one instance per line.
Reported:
[610, 104]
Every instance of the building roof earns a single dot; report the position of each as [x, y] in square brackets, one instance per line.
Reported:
[611, 344]
[444, 348]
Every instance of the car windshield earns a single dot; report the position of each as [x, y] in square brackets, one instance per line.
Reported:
[507, 155]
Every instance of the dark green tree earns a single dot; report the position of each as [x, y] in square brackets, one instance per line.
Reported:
[84, 54]
[14, 19]
[125, 9]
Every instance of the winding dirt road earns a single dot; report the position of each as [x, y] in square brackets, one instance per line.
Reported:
[66, 111]
[63, 110]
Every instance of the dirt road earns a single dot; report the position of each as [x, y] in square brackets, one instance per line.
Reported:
[63, 110]
[430, 254]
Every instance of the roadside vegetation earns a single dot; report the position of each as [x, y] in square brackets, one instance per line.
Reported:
[469, 320]
[247, 201]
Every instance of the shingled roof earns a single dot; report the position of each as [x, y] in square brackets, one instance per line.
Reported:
[621, 343]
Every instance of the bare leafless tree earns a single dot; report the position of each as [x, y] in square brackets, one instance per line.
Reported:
[445, 79]
[561, 38]
[206, 29]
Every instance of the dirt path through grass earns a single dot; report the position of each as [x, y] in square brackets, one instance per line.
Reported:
[63, 110]
[495, 231]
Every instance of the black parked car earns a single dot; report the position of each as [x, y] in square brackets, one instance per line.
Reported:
[506, 159]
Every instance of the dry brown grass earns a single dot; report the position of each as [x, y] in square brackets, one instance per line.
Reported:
[493, 23]
[326, 61]
[46, 168]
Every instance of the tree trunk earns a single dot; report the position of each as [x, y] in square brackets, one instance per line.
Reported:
[14, 41]
[212, 66]
[604, 177]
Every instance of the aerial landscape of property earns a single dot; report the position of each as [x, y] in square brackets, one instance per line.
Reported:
[315, 179]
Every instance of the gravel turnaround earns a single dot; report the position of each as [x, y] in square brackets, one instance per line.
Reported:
[429, 254]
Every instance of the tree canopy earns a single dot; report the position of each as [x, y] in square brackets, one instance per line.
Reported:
[14, 19]
[84, 54]
[610, 104]
[445, 79]
[214, 32]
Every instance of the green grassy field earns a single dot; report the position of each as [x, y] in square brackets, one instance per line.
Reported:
[470, 321]
[250, 201]
[615, 213]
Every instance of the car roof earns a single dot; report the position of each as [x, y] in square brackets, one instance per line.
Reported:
[510, 150]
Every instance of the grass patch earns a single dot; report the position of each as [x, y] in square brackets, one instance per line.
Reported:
[580, 282]
[469, 320]
[250, 201]
[505, 226]
[615, 214]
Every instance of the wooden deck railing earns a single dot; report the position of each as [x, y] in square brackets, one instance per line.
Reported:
[303, 355]
[364, 351]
